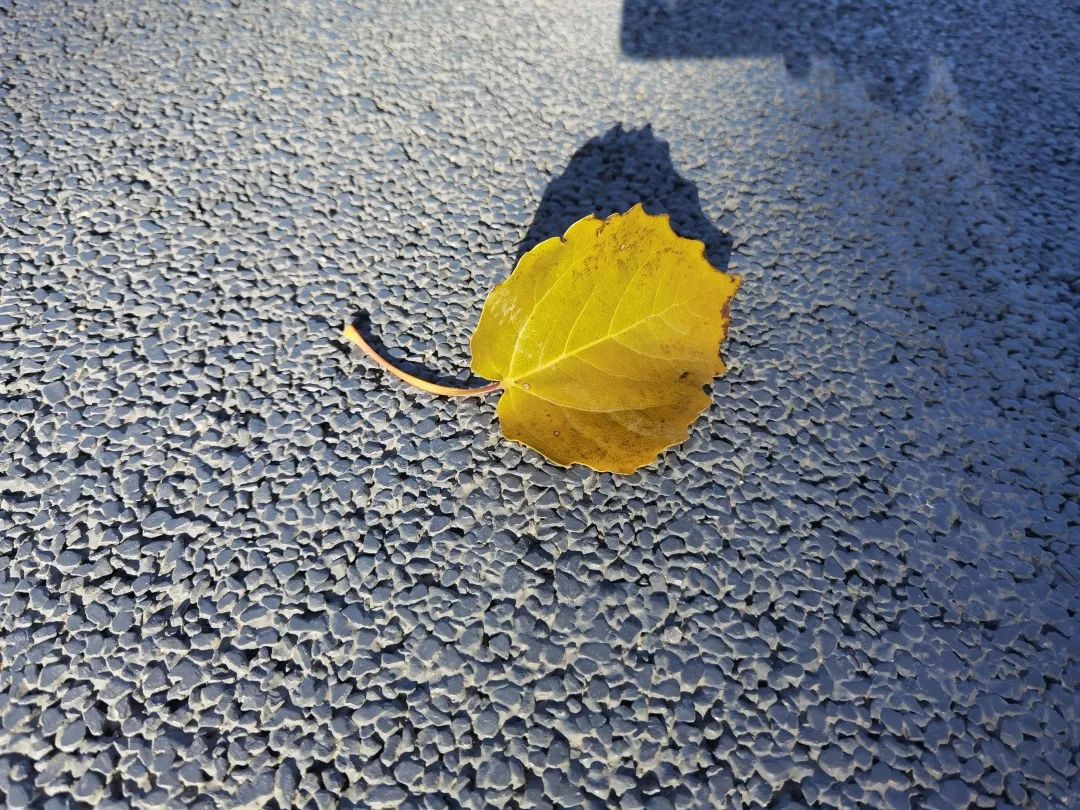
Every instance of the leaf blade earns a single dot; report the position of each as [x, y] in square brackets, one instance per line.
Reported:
[603, 340]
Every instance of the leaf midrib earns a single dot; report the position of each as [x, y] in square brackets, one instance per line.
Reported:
[585, 346]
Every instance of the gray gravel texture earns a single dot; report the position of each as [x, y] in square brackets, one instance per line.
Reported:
[240, 567]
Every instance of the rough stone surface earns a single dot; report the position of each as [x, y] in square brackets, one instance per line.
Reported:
[239, 566]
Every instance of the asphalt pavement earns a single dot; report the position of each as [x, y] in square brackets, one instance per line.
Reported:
[242, 567]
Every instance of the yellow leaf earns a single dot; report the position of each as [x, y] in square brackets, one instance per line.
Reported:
[603, 339]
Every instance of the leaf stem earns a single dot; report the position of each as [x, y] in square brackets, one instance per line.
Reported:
[432, 388]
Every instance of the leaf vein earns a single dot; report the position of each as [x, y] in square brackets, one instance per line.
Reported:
[529, 318]
[609, 336]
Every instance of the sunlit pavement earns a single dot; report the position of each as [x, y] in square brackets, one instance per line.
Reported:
[239, 565]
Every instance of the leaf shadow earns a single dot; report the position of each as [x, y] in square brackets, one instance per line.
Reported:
[612, 172]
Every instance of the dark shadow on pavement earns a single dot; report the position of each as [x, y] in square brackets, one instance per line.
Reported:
[610, 174]
[1013, 65]
[863, 39]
